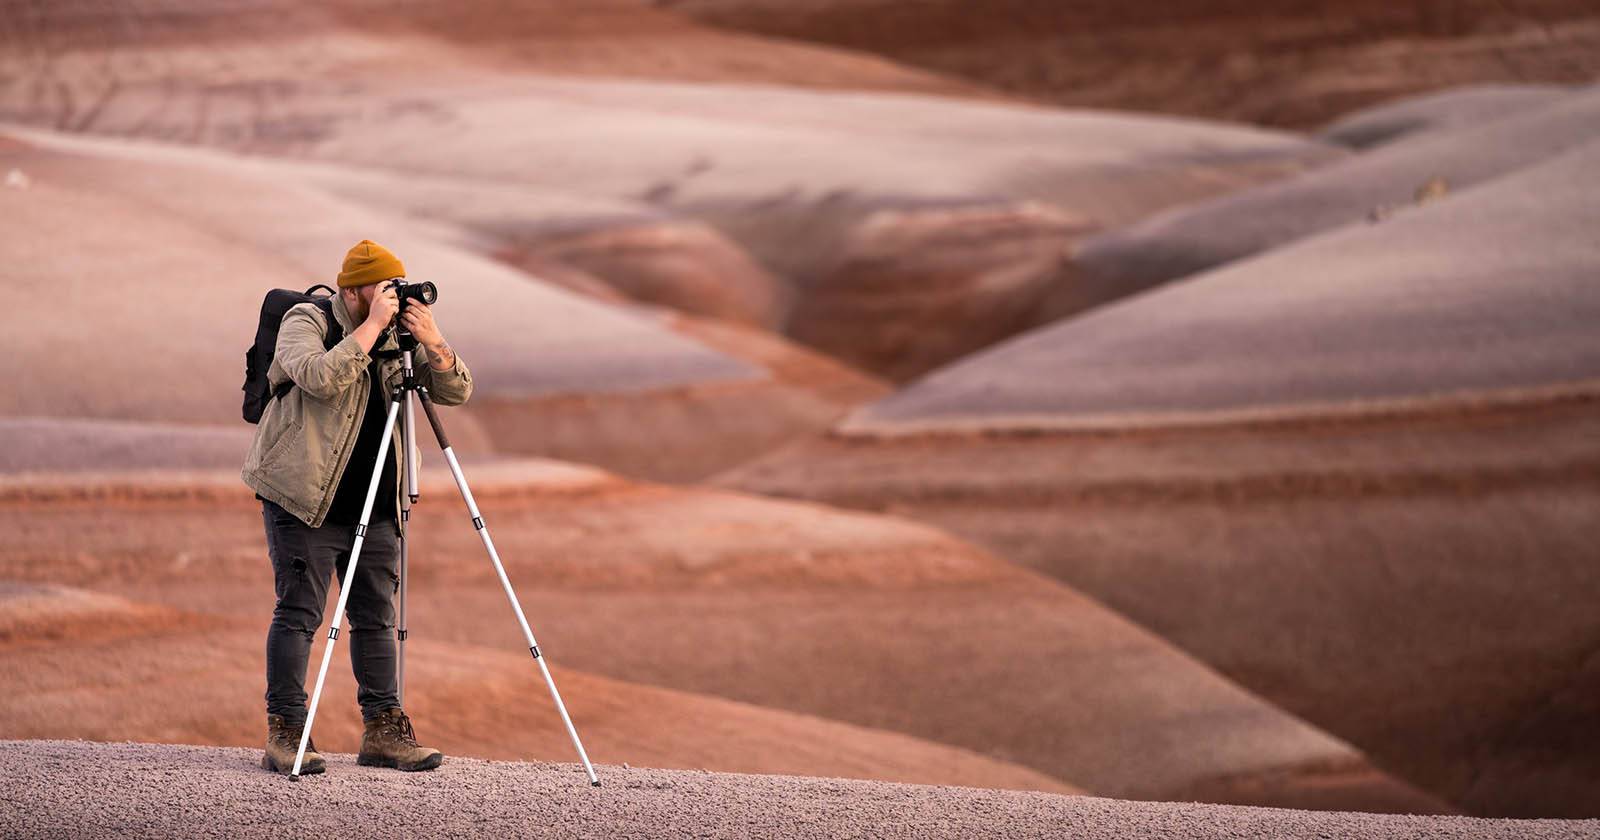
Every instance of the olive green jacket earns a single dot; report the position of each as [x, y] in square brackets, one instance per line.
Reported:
[305, 437]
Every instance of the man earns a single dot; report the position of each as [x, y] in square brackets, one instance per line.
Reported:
[310, 464]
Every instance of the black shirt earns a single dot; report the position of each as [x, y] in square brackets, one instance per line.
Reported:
[352, 491]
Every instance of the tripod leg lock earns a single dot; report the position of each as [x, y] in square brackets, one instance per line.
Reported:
[361, 530]
[402, 634]
[477, 522]
[535, 651]
[333, 634]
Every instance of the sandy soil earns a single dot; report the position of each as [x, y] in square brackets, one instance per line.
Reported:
[866, 620]
[1297, 65]
[150, 790]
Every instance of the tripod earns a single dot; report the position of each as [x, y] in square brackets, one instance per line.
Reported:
[402, 398]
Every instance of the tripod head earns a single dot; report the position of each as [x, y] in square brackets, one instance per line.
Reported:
[407, 292]
[404, 338]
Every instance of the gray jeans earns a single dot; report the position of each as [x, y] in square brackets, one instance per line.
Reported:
[303, 559]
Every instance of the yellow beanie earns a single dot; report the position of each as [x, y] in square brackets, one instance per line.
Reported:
[368, 263]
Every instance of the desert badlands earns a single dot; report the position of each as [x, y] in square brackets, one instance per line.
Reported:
[898, 420]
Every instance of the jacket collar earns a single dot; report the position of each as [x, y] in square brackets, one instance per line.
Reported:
[341, 314]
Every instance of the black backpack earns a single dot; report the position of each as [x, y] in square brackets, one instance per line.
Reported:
[258, 359]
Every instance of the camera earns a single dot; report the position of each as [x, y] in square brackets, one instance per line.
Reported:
[407, 292]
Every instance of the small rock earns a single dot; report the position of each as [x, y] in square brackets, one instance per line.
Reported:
[1434, 188]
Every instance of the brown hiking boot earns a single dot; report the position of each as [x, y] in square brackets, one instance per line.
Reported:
[389, 742]
[283, 741]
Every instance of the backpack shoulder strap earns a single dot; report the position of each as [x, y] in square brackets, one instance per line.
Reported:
[335, 333]
[330, 338]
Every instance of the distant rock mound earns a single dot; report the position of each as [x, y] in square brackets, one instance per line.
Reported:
[1327, 471]
[724, 200]
[193, 265]
[1420, 306]
[1297, 65]
[1208, 234]
[1451, 109]
[684, 265]
[606, 38]
[913, 289]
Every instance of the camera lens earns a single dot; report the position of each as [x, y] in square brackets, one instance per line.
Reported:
[426, 292]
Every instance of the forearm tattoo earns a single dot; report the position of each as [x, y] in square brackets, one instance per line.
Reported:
[443, 357]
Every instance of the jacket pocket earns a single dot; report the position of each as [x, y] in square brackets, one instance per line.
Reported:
[281, 460]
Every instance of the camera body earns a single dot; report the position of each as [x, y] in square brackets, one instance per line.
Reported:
[407, 292]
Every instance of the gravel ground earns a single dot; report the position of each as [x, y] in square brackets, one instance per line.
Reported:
[81, 789]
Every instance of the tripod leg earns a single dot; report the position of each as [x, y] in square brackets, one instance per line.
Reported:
[411, 464]
[413, 461]
[344, 588]
[505, 583]
[400, 629]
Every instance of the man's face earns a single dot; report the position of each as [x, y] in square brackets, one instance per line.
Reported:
[359, 299]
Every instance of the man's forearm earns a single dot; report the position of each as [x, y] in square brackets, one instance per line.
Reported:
[441, 357]
[367, 335]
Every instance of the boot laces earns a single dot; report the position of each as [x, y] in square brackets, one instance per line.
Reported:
[289, 736]
[400, 725]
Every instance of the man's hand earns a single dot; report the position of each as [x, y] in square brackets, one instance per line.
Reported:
[380, 311]
[384, 305]
[419, 321]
